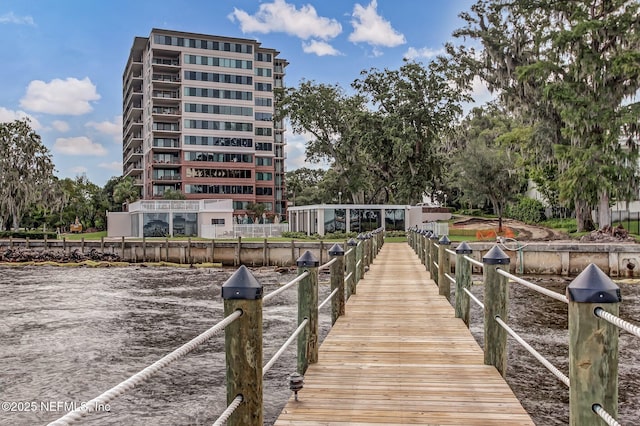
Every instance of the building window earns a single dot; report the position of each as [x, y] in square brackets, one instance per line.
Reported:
[218, 109]
[267, 102]
[216, 141]
[264, 161]
[217, 221]
[264, 146]
[263, 116]
[263, 87]
[263, 72]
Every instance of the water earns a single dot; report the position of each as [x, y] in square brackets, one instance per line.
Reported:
[69, 334]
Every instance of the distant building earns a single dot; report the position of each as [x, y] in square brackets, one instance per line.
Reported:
[198, 117]
[328, 218]
[175, 218]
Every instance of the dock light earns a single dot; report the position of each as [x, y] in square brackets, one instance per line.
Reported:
[296, 383]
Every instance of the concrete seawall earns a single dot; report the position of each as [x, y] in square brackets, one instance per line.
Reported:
[561, 258]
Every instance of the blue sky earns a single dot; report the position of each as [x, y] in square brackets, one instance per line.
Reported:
[63, 60]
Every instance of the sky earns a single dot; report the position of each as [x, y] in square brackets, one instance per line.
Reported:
[63, 60]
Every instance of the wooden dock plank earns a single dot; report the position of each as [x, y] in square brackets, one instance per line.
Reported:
[399, 356]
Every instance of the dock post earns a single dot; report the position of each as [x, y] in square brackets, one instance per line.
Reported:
[463, 281]
[308, 309]
[351, 267]
[593, 346]
[243, 347]
[337, 282]
[433, 256]
[444, 267]
[496, 298]
[423, 247]
[360, 259]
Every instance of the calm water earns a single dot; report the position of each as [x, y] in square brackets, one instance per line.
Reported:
[69, 334]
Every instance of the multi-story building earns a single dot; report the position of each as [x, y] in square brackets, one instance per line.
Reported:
[198, 117]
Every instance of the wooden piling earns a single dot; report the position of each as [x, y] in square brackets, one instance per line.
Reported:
[337, 282]
[243, 347]
[463, 281]
[593, 347]
[308, 309]
[444, 267]
[496, 298]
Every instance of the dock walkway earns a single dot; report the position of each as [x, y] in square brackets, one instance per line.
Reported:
[398, 357]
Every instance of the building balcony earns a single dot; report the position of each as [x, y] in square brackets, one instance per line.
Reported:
[161, 178]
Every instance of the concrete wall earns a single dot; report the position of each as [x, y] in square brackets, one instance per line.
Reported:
[534, 258]
[119, 224]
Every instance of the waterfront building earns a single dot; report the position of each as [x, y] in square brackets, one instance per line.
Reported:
[322, 219]
[198, 118]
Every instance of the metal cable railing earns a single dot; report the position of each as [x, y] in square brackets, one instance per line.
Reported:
[284, 347]
[604, 415]
[535, 287]
[451, 252]
[564, 379]
[618, 322]
[274, 293]
[228, 411]
[145, 374]
[450, 278]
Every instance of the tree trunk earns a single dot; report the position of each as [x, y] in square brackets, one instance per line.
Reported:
[583, 216]
[604, 212]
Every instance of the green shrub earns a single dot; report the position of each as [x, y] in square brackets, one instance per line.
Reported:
[340, 235]
[527, 210]
[295, 235]
[392, 234]
[569, 225]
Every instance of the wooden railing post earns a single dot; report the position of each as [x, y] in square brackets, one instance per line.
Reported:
[433, 256]
[359, 259]
[444, 263]
[308, 309]
[463, 281]
[337, 282]
[423, 245]
[366, 252]
[243, 347]
[593, 347]
[496, 299]
[351, 267]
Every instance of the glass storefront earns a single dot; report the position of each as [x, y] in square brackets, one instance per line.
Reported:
[394, 220]
[155, 224]
[335, 220]
[365, 220]
[185, 224]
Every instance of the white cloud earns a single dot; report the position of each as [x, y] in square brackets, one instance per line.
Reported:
[79, 170]
[424, 52]
[112, 128]
[61, 126]
[7, 116]
[320, 48]
[11, 18]
[80, 145]
[114, 165]
[63, 97]
[371, 28]
[281, 16]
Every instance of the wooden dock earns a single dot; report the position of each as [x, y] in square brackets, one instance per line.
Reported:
[399, 356]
